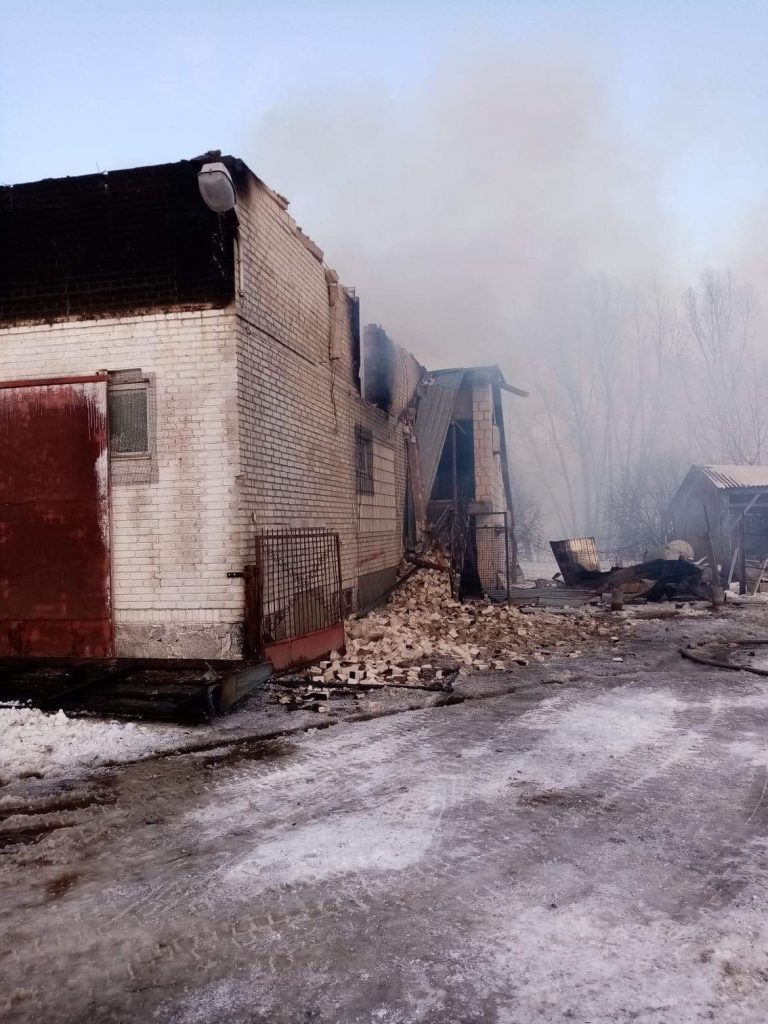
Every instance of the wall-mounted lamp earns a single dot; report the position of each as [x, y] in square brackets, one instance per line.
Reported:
[216, 187]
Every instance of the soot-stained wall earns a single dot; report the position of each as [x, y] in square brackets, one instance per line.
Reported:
[106, 244]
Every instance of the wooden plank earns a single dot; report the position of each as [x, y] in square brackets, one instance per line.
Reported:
[417, 487]
[550, 595]
[759, 579]
[238, 684]
[742, 558]
[733, 565]
[711, 557]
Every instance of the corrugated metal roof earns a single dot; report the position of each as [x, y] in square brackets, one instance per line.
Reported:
[493, 372]
[727, 477]
[432, 421]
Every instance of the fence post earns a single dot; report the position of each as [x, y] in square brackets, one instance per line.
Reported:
[506, 555]
[338, 569]
[742, 557]
[253, 640]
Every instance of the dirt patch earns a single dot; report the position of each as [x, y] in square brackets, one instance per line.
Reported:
[59, 886]
[30, 834]
[71, 802]
[272, 750]
[561, 798]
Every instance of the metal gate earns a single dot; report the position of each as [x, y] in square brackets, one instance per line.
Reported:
[297, 601]
[55, 572]
[494, 562]
[483, 557]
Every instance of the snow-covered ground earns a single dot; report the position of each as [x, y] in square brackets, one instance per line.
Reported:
[595, 853]
[38, 745]
[46, 746]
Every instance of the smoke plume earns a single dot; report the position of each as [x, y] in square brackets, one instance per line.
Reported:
[499, 211]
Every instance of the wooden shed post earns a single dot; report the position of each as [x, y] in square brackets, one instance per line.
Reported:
[742, 557]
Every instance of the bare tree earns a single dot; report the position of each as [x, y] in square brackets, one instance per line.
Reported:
[641, 387]
[728, 370]
[529, 532]
[637, 508]
[604, 405]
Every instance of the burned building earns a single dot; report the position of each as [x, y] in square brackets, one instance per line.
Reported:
[195, 463]
[461, 440]
[175, 382]
[725, 507]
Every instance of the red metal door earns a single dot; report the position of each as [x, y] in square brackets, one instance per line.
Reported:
[55, 582]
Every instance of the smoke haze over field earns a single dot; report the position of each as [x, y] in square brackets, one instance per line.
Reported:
[469, 214]
[500, 211]
[470, 210]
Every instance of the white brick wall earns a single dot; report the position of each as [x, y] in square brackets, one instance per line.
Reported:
[299, 407]
[255, 428]
[377, 512]
[172, 541]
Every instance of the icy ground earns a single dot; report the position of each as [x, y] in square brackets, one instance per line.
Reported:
[590, 850]
[36, 745]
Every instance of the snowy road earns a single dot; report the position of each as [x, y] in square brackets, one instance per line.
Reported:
[596, 855]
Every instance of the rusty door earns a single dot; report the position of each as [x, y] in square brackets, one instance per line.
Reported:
[55, 576]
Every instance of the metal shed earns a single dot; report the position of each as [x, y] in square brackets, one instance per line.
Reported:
[729, 505]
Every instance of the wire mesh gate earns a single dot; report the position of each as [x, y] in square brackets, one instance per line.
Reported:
[492, 542]
[297, 610]
[482, 556]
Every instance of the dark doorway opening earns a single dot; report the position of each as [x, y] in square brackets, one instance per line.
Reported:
[461, 434]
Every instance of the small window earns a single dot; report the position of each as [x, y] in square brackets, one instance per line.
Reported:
[129, 419]
[364, 460]
[130, 405]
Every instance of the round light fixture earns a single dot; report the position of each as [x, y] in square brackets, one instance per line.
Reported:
[216, 187]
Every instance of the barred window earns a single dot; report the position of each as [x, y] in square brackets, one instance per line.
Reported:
[364, 460]
[129, 419]
[131, 411]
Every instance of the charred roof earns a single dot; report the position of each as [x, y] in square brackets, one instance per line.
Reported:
[113, 243]
[492, 371]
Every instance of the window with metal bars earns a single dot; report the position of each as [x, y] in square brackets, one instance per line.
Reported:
[129, 419]
[363, 460]
[131, 427]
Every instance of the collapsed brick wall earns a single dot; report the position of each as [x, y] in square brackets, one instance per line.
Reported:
[299, 407]
[106, 244]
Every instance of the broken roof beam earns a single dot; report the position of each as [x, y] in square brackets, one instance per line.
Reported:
[513, 390]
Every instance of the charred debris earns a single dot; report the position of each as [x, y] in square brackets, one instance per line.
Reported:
[424, 639]
[674, 575]
[448, 616]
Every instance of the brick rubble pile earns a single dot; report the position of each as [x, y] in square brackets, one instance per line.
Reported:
[423, 636]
